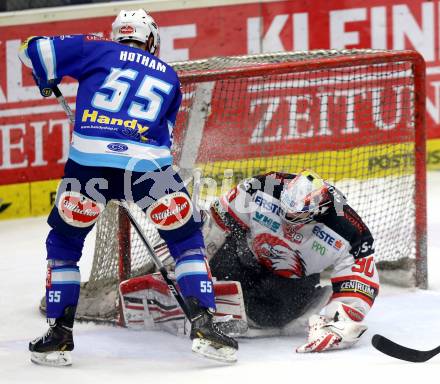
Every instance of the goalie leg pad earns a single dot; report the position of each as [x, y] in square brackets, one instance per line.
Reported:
[147, 302]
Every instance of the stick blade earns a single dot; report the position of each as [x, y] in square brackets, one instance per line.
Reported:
[398, 351]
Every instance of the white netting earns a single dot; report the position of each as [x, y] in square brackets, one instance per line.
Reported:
[355, 124]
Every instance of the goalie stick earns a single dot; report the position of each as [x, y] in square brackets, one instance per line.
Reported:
[398, 351]
[157, 261]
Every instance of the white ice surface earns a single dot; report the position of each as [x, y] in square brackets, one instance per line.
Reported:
[105, 354]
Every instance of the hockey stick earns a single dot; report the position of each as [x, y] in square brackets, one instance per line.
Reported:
[398, 351]
[157, 261]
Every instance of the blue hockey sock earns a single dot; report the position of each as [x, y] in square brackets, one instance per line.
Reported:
[62, 247]
[192, 270]
[194, 277]
[62, 288]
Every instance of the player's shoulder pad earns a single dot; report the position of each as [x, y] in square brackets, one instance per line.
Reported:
[271, 183]
[348, 224]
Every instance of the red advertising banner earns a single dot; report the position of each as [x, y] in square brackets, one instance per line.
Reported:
[34, 132]
[312, 111]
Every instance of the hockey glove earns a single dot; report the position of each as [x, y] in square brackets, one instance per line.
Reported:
[45, 86]
[338, 333]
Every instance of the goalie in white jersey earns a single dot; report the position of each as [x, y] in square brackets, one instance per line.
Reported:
[275, 234]
[268, 240]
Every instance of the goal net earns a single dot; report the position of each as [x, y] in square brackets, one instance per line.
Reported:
[356, 117]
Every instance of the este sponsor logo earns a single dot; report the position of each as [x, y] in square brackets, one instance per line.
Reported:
[329, 239]
[117, 147]
[271, 207]
[78, 210]
[262, 219]
[95, 117]
[127, 30]
[319, 248]
[171, 211]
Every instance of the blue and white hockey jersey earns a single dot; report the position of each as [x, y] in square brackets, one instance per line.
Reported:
[127, 99]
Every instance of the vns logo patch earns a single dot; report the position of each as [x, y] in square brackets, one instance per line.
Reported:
[78, 210]
[117, 147]
[171, 211]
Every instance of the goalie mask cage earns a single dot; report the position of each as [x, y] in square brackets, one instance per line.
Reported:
[356, 117]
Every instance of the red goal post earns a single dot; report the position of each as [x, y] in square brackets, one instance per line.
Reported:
[357, 117]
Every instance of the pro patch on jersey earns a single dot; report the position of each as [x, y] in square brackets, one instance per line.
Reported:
[171, 211]
[78, 210]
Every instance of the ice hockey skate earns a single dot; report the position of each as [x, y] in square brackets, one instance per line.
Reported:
[208, 339]
[53, 348]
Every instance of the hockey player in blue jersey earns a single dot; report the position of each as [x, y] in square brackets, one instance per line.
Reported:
[126, 108]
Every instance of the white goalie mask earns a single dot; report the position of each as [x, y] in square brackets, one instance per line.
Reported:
[303, 198]
[136, 25]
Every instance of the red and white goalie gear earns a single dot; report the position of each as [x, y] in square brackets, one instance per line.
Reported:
[147, 303]
[339, 332]
[356, 284]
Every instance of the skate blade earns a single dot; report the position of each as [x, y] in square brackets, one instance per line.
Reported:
[204, 347]
[52, 359]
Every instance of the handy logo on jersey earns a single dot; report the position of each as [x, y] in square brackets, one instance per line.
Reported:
[329, 239]
[95, 117]
[78, 210]
[127, 30]
[171, 211]
[117, 147]
[269, 223]
[276, 255]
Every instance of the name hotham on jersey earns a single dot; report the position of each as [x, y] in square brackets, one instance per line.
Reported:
[142, 59]
[95, 117]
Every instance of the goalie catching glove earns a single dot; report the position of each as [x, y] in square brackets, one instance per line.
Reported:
[337, 332]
